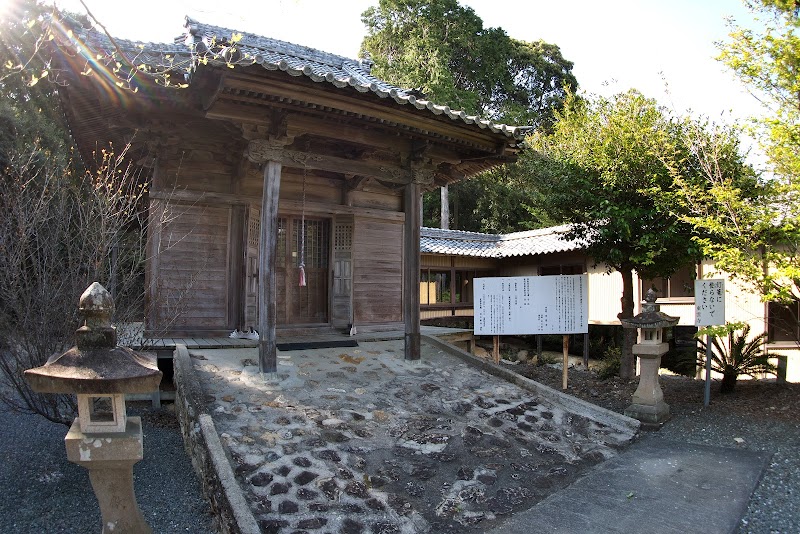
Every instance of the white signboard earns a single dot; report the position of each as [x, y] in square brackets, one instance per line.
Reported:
[709, 302]
[519, 305]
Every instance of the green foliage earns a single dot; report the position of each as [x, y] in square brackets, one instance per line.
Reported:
[496, 201]
[29, 108]
[603, 168]
[680, 361]
[547, 359]
[443, 49]
[611, 363]
[741, 355]
[767, 62]
[751, 227]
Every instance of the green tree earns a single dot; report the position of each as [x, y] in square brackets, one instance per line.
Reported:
[29, 110]
[603, 168]
[442, 49]
[750, 227]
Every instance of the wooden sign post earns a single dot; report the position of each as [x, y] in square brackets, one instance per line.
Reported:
[565, 347]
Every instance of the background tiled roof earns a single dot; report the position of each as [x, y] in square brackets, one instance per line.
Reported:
[528, 243]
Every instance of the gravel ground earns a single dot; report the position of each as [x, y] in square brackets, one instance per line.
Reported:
[759, 416]
[43, 492]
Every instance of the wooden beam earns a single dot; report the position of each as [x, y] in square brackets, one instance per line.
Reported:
[407, 115]
[294, 158]
[289, 206]
[411, 271]
[248, 110]
[268, 291]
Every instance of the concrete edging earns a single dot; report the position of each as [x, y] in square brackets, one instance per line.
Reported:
[233, 515]
[608, 417]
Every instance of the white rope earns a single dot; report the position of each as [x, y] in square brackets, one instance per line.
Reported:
[302, 266]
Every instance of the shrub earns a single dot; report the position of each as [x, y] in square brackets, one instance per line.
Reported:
[740, 357]
[611, 363]
[682, 361]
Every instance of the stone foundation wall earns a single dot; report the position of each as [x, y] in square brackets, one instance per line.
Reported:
[232, 514]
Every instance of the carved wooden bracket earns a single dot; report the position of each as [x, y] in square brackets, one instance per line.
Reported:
[354, 183]
[422, 174]
[272, 148]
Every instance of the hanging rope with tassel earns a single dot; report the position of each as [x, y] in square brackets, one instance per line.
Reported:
[302, 267]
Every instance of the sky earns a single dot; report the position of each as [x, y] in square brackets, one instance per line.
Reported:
[663, 48]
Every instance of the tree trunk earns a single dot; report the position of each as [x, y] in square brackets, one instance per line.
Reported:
[445, 208]
[627, 366]
[728, 384]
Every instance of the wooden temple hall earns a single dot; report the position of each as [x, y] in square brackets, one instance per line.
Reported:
[285, 182]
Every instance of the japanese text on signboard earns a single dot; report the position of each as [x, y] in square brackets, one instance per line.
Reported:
[709, 302]
[531, 305]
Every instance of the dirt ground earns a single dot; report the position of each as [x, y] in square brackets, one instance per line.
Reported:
[752, 398]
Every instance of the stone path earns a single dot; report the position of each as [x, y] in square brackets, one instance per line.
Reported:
[358, 440]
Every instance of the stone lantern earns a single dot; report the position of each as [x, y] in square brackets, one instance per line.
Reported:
[103, 439]
[648, 400]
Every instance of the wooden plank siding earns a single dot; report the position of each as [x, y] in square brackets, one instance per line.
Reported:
[377, 271]
[193, 270]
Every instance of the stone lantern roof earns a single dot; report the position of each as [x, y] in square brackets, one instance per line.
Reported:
[651, 317]
[96, 365]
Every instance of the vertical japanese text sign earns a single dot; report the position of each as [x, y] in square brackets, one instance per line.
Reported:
[709, 302]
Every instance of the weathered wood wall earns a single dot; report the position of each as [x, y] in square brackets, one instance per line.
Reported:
[190, 291]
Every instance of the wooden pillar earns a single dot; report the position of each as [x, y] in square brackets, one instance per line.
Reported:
[411, 269]
[268, 291]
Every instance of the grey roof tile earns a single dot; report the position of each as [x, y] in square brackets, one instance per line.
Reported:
[340, 71]
[294, 59]
[528, 243]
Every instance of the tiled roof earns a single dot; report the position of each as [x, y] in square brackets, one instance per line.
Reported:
[295, 60]
[528, 243]
[340, 71]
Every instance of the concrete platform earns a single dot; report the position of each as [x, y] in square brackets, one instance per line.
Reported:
[655, 486]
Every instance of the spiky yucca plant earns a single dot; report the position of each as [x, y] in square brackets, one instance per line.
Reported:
[740, 357]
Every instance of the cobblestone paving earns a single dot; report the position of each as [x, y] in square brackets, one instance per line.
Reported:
[359, 441]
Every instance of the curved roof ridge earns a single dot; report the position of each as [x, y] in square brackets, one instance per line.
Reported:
[458, 234]
[559, 229]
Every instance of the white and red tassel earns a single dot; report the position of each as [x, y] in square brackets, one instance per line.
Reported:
[302, 275]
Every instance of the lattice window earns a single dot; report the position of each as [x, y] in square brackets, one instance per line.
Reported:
[253, 232]
[343, 237]
[317, 243]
